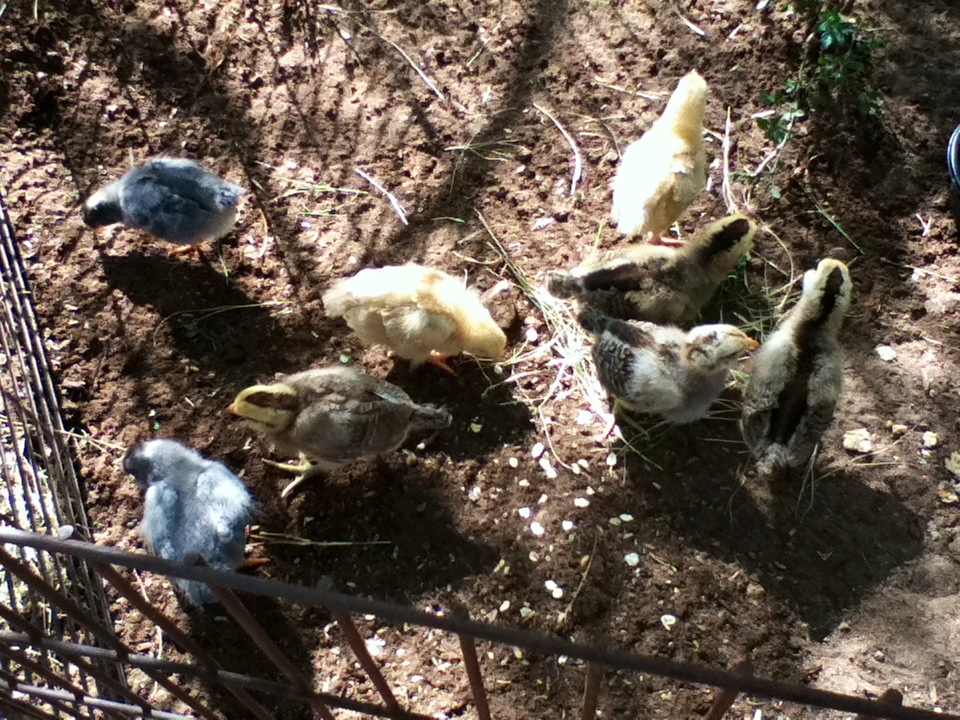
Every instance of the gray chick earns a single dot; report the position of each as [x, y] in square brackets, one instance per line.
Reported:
[334, 414]
[192, 505]
[171, 198]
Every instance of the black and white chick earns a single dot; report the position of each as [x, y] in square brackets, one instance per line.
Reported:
[797, 374]
[174, 199]
[663, 370]
[191, 505]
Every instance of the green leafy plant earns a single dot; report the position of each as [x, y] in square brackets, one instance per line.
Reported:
[836, 78]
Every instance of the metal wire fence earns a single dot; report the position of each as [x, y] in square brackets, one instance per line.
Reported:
[60, 654]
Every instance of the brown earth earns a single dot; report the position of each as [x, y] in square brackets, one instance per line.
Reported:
[849, 582]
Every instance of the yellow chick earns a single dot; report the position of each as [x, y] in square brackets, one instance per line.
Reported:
[420, 313]
[658, 283]
[661, 173]
[797, 374]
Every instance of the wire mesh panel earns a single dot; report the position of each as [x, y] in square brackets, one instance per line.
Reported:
[40, 491]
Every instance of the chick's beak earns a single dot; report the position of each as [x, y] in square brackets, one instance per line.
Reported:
[232, 409]
[752, 344]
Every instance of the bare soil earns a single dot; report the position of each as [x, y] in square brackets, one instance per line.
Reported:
[848, 580]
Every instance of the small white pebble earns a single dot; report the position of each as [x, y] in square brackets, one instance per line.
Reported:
[632, 559]
[575, 469]
[550, 585]
[542, 499]
[581, 502]
[504, 606]
[524, 483]
[531, 335]
[583, 463]
[668, 621]
[524, 512]
[886, 353]
[475, 493]
[537, 529]
[567, 525]
[547, 468]
[626, 517]
[513, 462]
[534, 557]
[537, 450]
[584, 417]
[557, 593]
[616, 522]
[930, 439]
[612, 459]
[591, 491]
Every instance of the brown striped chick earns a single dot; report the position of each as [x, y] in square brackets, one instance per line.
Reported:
[333, 415]
[663, 370]
[658, 283]
[663, 172]
[420, 313]
[797, 374]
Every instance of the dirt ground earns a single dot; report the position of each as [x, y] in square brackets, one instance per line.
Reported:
[849, 582]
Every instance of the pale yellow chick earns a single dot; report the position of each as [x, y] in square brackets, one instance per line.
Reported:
[664, 171]
[421, 314]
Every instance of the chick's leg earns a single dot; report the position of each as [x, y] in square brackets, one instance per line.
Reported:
[186, 250]
[305, 470]
[440, 361]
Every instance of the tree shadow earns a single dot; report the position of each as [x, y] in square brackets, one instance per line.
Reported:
[391, 512]
[209, 319]
[820, 547]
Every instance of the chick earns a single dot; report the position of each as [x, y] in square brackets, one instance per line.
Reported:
[422, 314]
[797, 373]
[661, 173]
[172, 198]
[334, 414]
[663, 370]
[192, 505]
[657, 283]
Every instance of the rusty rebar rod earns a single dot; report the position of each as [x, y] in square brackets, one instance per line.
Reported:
[50, 694]
[725, 698]
[64, 705]
[69, 607]
[468, 648]
[149, 611]
[23, 709]
[75, 651]
[261, 638]
[33, 635]
[591, 691]
[359, 648]
[50, 676]
[502, 635]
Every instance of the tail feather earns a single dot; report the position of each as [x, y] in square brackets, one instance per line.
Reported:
[431, 417]
[592, 320]
[564, 285]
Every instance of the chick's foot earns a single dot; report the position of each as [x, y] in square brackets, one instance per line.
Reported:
[441, 362]
[304, 469]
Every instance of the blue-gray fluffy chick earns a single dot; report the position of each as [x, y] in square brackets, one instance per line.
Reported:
[172, 198]
[192, 505]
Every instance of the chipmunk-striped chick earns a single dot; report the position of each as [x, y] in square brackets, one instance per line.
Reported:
[333, 415]
[797, 374]
[658, 283]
